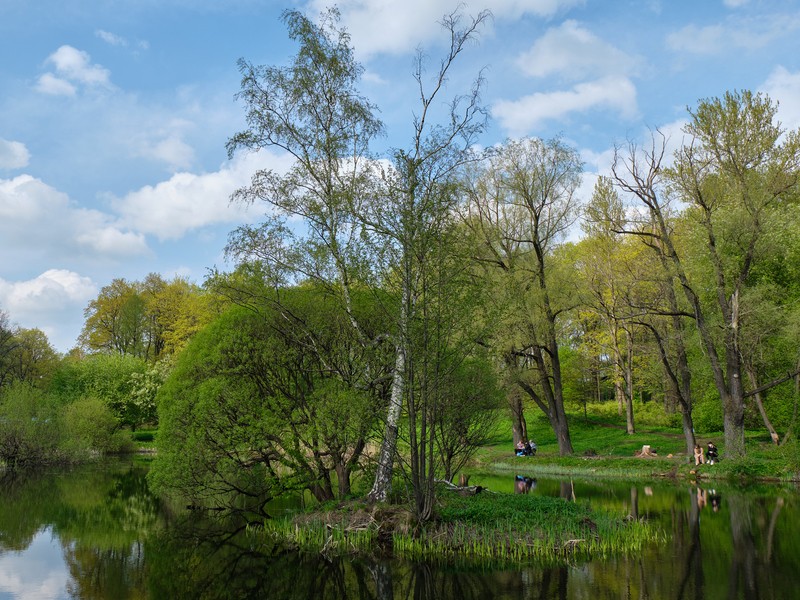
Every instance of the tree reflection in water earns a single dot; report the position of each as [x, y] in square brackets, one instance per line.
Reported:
[118, 541]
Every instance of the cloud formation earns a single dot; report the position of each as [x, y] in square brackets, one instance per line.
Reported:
[73, 67]
[398, 26]
[13, 155]
[735, 33]
[784, 86]
[38, 220]
[571, 51]
[519, 117]
[189, 201]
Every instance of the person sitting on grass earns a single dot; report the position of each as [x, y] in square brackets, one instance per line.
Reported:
[699, 458]
[530, 448]
[712, 455]
[520, 448]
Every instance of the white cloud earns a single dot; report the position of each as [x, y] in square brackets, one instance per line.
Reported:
[50, 84]
[13, 155]
[111, 241]
[735, 3]
[572, 51]
[37, 220]
[398, 26]
[784, 86]
[187, 201]
[52, 289]
[740, 33]
[519, 117]
[111, 38]
[76, 65]
[173, 151]
[72, 67]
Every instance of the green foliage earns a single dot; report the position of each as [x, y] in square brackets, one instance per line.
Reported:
[707, 414]
[91, 428]
[250, 411]
[467, 415]
[107, 377]
[30, 428]
[144, 389]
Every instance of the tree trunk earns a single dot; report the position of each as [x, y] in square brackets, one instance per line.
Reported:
[629, 384]
[751, 375]
[519, 427]
[383, 474]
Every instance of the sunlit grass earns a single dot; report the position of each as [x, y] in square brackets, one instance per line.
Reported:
[483, 528]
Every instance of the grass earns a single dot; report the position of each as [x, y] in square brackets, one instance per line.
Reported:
[603, 448]
[484, 528]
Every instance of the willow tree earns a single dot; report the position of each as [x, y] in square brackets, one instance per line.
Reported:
[522, 202]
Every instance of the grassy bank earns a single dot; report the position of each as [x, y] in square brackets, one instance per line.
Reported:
[486, 527]
[603, 448]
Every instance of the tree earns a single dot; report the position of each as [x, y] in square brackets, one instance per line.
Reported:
[30, 428]
[8, 344]
[258, 405]
[464, 421]
[521, 203]
[147, 319]
[311, 110]
[609, 269]
[414, 224]
[359, 221]
[33, 359]
[110, 378]
[737, 168]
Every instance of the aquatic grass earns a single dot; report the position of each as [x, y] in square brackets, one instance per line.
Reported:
[521, 527]
[319, 536]
[486, 528]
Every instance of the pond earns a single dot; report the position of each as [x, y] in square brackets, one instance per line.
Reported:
[97, 532]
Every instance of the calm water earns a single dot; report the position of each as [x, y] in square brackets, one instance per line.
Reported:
[97, 532]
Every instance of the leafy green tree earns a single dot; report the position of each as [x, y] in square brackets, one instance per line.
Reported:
[107, 377]
[520, 205]
[465, 420]
[32, 359]
[8, 344]
[258, 405]
[115, 320]
[90, 428]
[739, 167]
[30, 428]
[148, 320]
[415, 225]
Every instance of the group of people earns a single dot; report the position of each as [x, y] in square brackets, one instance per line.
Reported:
[526, 448]
[710, 456]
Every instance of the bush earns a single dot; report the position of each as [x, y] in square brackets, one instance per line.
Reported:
[30, 430]
[91, 428]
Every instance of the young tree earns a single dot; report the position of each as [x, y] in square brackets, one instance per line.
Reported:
[313, 111]
[415, 224]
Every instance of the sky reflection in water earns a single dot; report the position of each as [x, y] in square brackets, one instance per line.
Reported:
[36, 573]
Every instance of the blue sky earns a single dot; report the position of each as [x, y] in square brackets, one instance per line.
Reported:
[114, 114]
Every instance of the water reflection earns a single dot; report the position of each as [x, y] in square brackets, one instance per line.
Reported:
[75, 534]
[99, 533]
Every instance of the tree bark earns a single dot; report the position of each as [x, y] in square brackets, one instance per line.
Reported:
[383, 474]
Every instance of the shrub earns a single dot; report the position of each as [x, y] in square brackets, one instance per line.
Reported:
[30, 429]
[91, 428]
